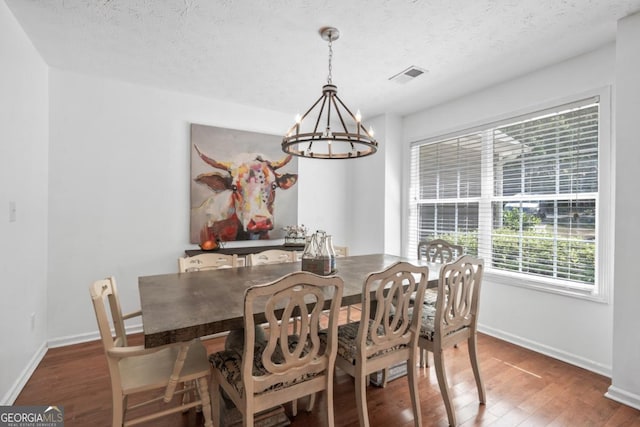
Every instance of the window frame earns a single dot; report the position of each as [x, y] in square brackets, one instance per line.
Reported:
[604, 227]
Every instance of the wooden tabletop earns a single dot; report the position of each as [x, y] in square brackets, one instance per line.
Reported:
[183, 306]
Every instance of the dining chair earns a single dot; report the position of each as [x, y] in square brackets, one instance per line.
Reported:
[439, 250]
[442, 251]
[271, 256]
[387, 333]
[207, 261]
[288, 366]
[173, 370]
[453, 318]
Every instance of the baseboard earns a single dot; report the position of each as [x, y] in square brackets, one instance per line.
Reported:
[86, 337]
[624, 397]
[570, 358]
[24, 376]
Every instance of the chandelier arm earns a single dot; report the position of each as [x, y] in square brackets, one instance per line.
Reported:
[329, 112]
[360, 126]
[297, 125]
[312, 107]
[315, 128]
[344, 125]
[324, 101]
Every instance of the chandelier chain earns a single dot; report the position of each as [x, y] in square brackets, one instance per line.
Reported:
[330, 58]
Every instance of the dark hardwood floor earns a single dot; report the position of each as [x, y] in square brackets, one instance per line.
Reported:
[524, 388]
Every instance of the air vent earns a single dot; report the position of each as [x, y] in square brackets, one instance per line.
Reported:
[408, 74]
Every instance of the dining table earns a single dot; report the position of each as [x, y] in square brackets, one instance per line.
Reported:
[180, 307]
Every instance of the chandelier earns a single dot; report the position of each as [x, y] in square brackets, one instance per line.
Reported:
[342, 136]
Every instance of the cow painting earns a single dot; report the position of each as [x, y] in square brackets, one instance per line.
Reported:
[244, 193]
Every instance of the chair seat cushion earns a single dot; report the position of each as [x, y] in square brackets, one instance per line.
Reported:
[427, 324]
[347, 335]
[229, 363]
[431, 296]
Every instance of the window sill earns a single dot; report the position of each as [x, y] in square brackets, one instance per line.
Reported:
[544, 285]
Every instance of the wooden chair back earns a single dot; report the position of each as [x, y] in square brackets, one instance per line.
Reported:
[298, 295]
[389, 300]
[457, 300]
[208, 261]
[104, 293]
[439, 250]
[271, 256]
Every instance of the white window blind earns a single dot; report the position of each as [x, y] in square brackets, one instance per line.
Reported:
[521, 193]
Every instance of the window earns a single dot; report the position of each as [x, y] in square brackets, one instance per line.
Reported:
[523, 194]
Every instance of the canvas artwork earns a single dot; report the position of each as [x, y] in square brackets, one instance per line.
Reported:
[243, 187]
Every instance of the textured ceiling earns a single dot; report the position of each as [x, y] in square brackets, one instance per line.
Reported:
[269, 53]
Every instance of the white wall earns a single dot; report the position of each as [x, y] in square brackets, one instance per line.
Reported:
[626, 337]
[119, 188]
[575, 330]
[23, 179]
[394, 150]
[321, 197]
[366, 196]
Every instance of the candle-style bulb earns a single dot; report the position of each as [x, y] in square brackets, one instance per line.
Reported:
[298, 118]
[370, 131]
[358, 116]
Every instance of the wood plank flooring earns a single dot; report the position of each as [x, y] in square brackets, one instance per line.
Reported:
[524, 388]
